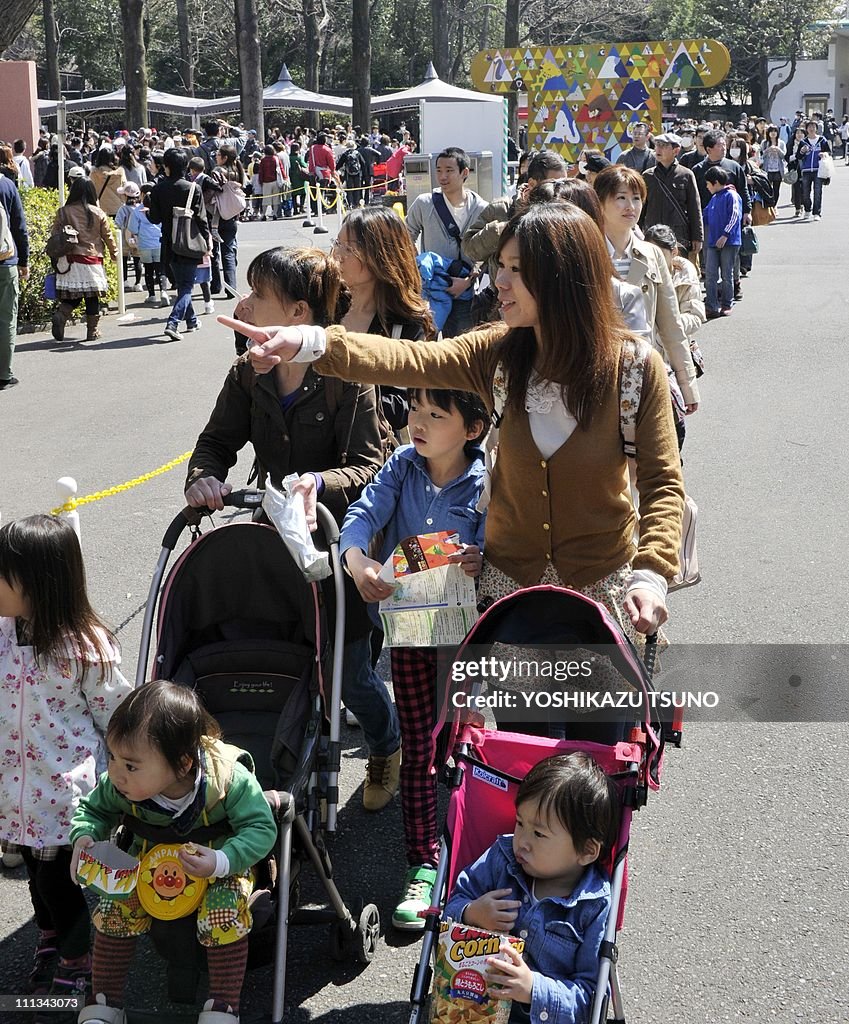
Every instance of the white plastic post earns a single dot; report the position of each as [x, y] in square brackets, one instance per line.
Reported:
[119, 259]
[308, 221]
[66, 489]
[340, 213]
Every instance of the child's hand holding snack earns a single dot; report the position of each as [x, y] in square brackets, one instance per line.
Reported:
[471, 559]
[509, 976]
[364, 572]
[83, 843]
[493, 912]
[197, 860]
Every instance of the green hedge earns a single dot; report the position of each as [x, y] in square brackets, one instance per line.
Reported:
[40, 206]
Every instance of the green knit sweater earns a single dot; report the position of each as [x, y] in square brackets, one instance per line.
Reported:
[233, 795]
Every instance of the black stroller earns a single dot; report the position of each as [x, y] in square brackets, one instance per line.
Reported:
[239, 623]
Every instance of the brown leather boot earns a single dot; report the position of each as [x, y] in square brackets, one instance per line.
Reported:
[60, 318]
[92, 333]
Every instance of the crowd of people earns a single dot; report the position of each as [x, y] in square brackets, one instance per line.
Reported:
[379, 392]
[133, 178]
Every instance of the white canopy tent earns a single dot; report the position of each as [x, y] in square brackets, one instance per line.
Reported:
[450, 116]
[283, 93]
[157, 101]
[432, 88]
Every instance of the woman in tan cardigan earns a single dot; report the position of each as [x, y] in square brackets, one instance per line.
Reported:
[561, 509]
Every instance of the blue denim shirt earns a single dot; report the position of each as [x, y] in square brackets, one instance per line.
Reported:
[402, 502]
[562, 936]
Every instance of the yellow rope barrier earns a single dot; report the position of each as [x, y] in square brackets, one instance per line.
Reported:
[298, 191]
[73, 503]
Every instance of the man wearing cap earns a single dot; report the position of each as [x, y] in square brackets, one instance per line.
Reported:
[592, 165]
[251, 146]
[673, 196]
[639, 157]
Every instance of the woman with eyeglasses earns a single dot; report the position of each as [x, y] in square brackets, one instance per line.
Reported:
[378, 261]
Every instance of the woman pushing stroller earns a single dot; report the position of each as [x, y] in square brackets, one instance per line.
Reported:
[560, 510]
[326, 431]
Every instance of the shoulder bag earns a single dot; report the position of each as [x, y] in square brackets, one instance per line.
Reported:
[186, 237]
[231, 201]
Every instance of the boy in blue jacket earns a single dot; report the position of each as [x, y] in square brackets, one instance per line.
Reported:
[723, 237]
[433, 484]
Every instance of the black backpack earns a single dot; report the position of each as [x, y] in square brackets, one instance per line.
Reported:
[353, 167]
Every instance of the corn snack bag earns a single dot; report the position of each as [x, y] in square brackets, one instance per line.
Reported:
[459, 981]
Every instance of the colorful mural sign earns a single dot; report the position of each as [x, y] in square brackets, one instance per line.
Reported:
[589, 95]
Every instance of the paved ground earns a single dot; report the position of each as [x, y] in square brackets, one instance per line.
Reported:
[739, 866]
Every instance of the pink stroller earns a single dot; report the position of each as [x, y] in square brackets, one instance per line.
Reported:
[489, 766]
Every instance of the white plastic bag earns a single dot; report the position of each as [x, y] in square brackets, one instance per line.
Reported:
[286, 511]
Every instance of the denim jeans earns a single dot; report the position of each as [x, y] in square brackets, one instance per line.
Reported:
[460, 318]
[227, 232]
[365, 693]
[183, 274]
[716, 260]
[9, 290]
[809, 179]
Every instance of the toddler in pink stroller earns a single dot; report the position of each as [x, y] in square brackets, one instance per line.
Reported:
[516, 796]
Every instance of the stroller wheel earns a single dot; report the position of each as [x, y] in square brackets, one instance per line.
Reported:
[368, 932]
[341, 939]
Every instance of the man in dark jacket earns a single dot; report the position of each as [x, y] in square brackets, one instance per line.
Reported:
[173, 191]
[714, 143]
[51, 172]
[673, 196]
[12, 269]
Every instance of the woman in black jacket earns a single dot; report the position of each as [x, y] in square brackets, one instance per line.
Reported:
[323, 429]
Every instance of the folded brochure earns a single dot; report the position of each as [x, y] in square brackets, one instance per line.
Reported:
[434, 602]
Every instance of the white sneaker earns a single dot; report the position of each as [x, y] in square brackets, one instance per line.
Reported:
[817, 216]
[351, 718]
[165, 299]
[11, 860]
[210, 1016]
[807, 216]
[100, 1013]
[137, 288]
[209, 308]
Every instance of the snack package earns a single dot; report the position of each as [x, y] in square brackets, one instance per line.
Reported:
[459, 979]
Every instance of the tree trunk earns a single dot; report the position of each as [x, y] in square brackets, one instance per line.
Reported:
[186, 64]
[361, 64]
[511, 40]
[135, 62]
[439, 24]
[51, 50]
[14, 14]
[312, 54]
[250, 66]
